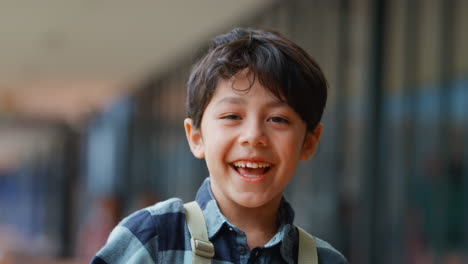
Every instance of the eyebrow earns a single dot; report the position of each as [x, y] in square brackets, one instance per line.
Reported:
[241, 101]
[231, 100]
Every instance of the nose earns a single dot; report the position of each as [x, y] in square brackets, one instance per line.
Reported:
[253, 134]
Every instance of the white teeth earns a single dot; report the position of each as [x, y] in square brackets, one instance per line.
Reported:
[252, 165]
[251, 176]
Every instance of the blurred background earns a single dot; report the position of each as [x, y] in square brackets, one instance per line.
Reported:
[92, 106]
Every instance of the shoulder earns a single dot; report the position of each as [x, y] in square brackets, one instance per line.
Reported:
[146, 223]
[146, 232]
[152, 221]
[328, 254]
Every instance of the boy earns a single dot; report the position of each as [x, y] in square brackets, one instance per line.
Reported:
[254, 103]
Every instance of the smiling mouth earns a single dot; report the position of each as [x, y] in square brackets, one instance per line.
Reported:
[251, 169]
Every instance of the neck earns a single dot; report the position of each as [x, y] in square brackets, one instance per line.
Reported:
[259, 224]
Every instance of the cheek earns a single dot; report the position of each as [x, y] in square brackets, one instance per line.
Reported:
[292, 144]
[215, 146]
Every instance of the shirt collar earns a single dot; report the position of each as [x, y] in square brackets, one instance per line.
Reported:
[213, 217]
[286, 235]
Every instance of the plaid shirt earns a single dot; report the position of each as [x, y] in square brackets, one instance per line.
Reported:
[159, 234]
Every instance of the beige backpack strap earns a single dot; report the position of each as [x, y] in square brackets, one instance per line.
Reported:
[202, 248]
[307, 249]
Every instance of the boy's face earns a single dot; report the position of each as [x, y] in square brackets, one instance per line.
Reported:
[251, 142]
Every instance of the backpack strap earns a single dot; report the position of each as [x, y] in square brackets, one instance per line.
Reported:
[307, 249]
[202, 248]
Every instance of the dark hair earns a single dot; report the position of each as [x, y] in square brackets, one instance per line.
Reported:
[280, 65]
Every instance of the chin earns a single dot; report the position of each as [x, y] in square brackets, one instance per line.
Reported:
[252, 202]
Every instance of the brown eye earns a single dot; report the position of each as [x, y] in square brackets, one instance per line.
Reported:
[231, 117]
[278, 119]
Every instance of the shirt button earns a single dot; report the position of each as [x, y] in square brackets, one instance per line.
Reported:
[242, 250]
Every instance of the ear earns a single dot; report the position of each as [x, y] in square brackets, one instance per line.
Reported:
[194, 139]
[310, 142]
